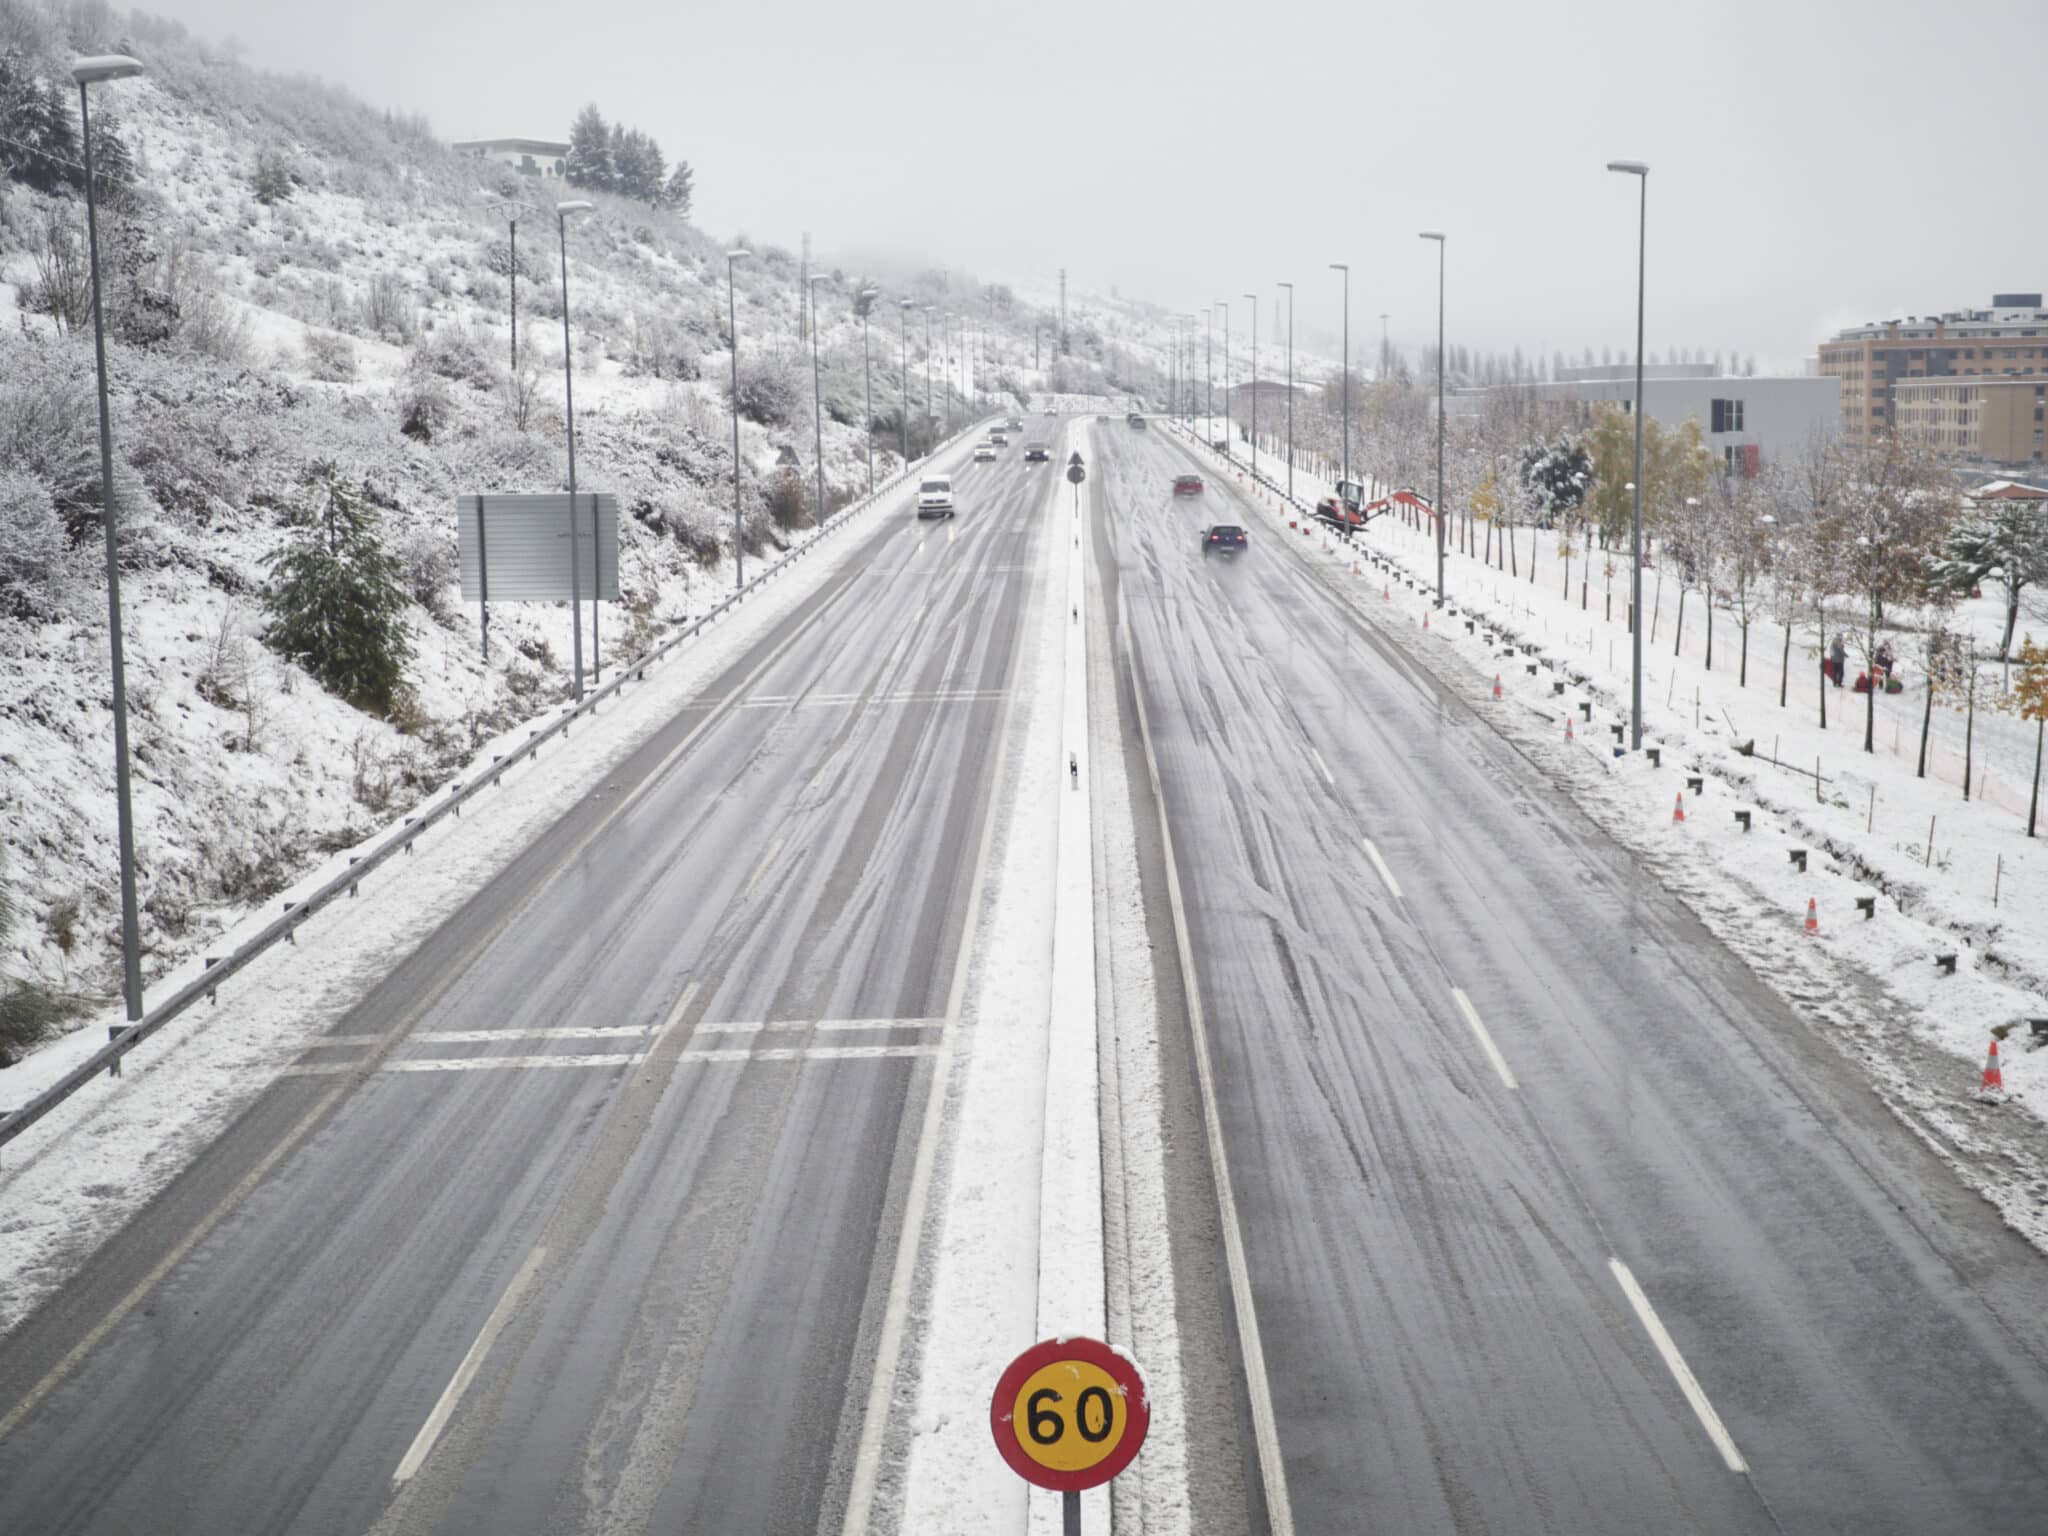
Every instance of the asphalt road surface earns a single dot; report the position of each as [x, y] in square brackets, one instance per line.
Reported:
[1514, 1141]
[584, 1218]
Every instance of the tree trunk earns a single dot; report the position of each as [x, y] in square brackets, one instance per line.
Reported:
[1742, 667]
[1710, 628]
[2012, 617]
[1785, 664]
[2034, 799]
[1926, 721]
[1657, 608]
[1532, 554]
[1507, 539]
[1870, 697]
[1970, 726]
[1823, 672]
[1566, 594]
[1678, 630]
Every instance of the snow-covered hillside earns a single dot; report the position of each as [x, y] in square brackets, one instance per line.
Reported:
[361, 321]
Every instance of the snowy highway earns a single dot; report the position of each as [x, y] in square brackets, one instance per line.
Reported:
[587, 1218]
[1554, 1218]
[1502, 1196]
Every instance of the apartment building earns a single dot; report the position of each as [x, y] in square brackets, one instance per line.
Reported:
[2009, 340]
[1987, 420]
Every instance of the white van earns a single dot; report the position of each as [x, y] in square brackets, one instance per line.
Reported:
[935, 496]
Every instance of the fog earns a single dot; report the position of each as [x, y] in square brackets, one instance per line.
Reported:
[1813, 164]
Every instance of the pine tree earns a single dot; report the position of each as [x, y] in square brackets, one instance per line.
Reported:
[590, 152]
[337, 601]
[2002, 537]
[56, 161]
[637, 166]
[675, 192]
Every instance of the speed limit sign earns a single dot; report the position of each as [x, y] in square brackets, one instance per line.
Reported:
[1069, 1414]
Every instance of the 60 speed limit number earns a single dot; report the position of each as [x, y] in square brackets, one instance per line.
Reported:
[1069, 1414]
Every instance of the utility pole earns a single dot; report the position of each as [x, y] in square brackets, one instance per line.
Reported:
[1063, 311]
[805, 306]
[1386, 351]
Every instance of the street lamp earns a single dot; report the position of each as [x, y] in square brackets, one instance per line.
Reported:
[1253, 300]
[867, 373]
[1437, 236]
[817, 402]
[1641, 172]
[88, 72]
[1338, 266]
[513, 211]
[562, 212]
[903, 309]
[1209, 374]
[1290, 389]
[732, 325]
[928, 418]
[1225, 304]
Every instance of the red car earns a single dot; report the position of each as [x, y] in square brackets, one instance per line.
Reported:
[1187, 485]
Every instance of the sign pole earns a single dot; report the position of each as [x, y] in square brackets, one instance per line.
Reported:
[596, 589]
[1070, 1513]
[483, 579]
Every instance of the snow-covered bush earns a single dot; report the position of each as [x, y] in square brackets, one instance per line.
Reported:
[49, 425]
[425, 407]
[330, 358]
[337, 602]
[387, 309]
[660, 347]
[271, 180]
[31, 540]
[767, 392]
[455, 352]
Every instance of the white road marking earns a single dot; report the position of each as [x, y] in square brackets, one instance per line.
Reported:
[710, 1054]
[877, 1413]
[1251, 1347]
[1322, 767]
[1380, 864]
[754, 1027]
[1493, 1054]
[465, 1373]
[492, 1036]
[1680, 1371]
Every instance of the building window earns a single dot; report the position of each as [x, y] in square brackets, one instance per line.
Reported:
[1727, 416]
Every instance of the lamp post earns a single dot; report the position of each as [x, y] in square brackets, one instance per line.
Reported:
[513, 211]
[1437, 236]
[89, 72]
[817, 402]
[732, 325]
[1290, 389]
[867, 373]
[1253, 300]
[1641, 172]
[1338, 266]
[903, 309]
[1209, 373]
[562, 212]
[1225, 303]
[928, 417]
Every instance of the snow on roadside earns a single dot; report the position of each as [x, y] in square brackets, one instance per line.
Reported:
[1919, 1034]
[75, 1178]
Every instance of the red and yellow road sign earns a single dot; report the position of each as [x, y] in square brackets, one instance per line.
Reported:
[1069, 1414]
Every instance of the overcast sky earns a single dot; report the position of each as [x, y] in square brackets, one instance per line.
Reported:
[1814, 162]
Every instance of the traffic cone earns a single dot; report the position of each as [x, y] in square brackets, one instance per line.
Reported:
[1678, 810]
[1496, 686]
[1425, 618]
[1812, 916]
[1387, 593]
[1993, 1085]
[1568, 736]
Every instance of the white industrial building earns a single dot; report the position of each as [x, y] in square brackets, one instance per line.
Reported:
[1746, 421]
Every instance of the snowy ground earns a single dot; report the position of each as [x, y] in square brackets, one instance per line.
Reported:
[1921, 1034]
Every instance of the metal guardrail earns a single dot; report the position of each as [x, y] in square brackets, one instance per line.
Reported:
[124, 1038]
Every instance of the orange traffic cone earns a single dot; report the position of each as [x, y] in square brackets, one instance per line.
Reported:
[1387, 593]
[1678, 810]
[1568, 736]
[1993, 1085]
[1496, 693]
[1425, 618]
[1812, 916]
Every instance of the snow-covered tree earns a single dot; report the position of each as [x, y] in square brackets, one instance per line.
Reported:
[590, 152]
[2008, 539]
[676, 191]
[1897, 509]
[337, 600]
[2030, 698]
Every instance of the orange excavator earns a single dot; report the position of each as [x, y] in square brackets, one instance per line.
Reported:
[1348, 510]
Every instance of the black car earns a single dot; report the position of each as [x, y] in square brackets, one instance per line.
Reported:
[1035, 453]
[1136, 420]
[1225, 539]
